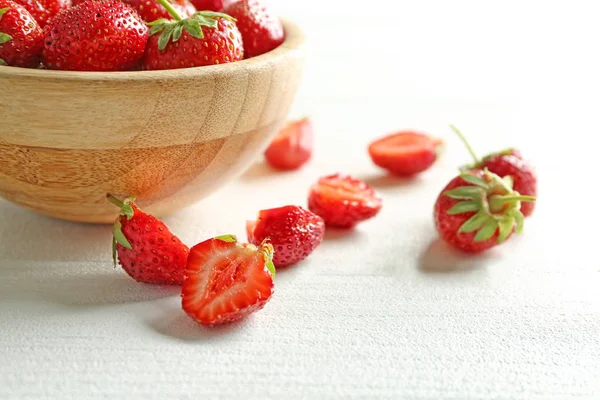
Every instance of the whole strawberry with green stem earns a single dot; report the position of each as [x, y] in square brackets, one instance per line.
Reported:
[145, 247]
[206, 38]
[508, 162]
[21, 37]
[478, 210]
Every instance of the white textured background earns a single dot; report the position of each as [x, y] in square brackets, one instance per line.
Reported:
[385, 311]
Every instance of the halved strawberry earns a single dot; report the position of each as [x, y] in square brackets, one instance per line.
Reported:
[405, 153]
[293, 231]
[343, 201]
[226, 280]
[292, 147]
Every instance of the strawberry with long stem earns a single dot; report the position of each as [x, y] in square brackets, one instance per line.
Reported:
[206, 38]
[508, 162]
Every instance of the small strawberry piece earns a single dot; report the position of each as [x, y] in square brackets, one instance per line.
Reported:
[21, 38]
[146, 248]
[405, 153]
[261, 31]
[293, 231]
[292, 147]
[95, 36]
[504, 163]
[478, 210]
[226, 281]
[211, 5]
[343, 201]
[207, 38]
[44, 10]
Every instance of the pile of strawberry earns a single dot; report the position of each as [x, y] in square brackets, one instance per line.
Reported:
[115, 35]
[224, 279]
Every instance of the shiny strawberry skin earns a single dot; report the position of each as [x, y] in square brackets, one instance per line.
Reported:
[292, 147]
[151, 10]
[211, 5]
[95, 36]
[448, 225]
[157, 256]
[44, 10]
[261, 31]
[219, 46]
[524, 176]
[23, 45]
[405, 153]
[343, 201]
[216, 266]
[293, 231]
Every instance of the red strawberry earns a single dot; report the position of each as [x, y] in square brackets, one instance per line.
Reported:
[207, 38]
[211, 5]
[152, 10]
[343, 201]
[146, 248]
[478, 210]
[43, 10]
[226, 280]
[21, 38]
[405, 153]
[261, 31]
[95, 36]
[508, 162]
[292, 147]
[293, 231]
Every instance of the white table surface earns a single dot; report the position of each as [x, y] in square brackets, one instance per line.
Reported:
[384, 311]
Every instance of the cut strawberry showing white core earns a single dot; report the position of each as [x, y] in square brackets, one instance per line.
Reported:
[226, 281]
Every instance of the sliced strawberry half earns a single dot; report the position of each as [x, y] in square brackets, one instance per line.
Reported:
[226, 280]
[343, 201]
[292, 147]
[293, 231]
[405, 153]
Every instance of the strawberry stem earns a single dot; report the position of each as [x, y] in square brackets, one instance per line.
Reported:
[498, 203]
[466, 143]
[166, 4]
[114, 200]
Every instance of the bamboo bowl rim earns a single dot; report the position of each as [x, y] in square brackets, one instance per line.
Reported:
[294, 41]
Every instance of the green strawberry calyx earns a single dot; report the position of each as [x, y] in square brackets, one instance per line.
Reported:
[126, 210]
[171, 30]
[496, 206]
[4, 37]
[477, 162]
[266, 248]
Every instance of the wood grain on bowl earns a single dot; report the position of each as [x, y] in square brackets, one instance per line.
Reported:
[169, 137]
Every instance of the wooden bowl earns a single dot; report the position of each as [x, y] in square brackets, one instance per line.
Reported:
[168, 137]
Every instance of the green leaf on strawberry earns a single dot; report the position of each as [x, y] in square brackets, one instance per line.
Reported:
[4, 38]
[171, 30]
[227, 238]
[2, 62]
[495, 204]
[127, 211]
